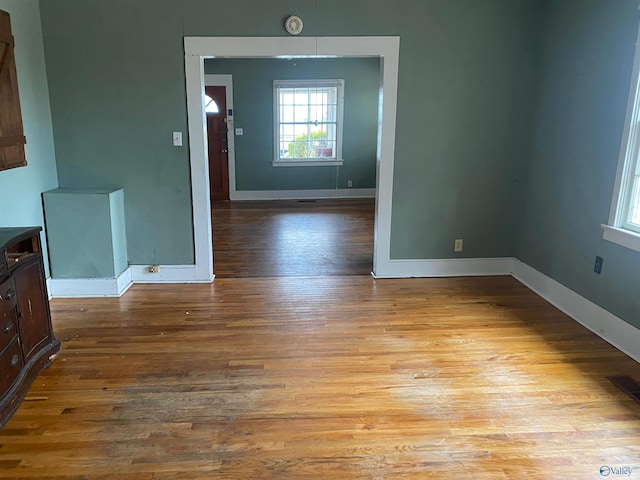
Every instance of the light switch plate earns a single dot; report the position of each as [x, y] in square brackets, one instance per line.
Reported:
[177, 139]
[239, 131]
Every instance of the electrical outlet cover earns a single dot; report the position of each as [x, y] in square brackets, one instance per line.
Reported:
[597, 266]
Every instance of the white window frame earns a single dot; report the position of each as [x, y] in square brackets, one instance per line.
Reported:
[619, 230]
[337, 159]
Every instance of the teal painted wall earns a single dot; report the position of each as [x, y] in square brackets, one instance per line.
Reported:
[587, 49]
[20, 188]
[116, 79]
[253, 111]
[510, 115]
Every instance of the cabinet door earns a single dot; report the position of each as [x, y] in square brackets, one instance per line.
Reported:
[33, 308]
[12, 138]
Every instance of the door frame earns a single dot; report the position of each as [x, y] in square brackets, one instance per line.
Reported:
[199, 48]
[226, 80]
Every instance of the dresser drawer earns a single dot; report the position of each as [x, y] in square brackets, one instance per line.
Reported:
[8, 329]
[10, 364]
[8, 312]
[8, 296]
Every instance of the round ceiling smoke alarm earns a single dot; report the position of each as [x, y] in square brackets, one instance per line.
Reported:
[293, 25]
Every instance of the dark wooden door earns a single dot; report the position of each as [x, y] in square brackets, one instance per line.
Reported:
[218, 146]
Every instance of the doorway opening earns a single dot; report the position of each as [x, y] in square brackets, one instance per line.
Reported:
[324, 137]
[199, 48]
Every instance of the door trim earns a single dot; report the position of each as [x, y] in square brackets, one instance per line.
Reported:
[199, 48]
[224, 80]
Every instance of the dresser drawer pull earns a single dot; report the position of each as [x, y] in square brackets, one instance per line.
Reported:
[10, 294]
[15, 360]
[8, 327]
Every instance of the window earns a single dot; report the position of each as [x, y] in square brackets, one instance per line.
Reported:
[210, 105]
[308, 122]
[624, 219]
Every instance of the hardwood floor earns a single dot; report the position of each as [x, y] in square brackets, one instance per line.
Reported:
[290, 238]
[324, 377]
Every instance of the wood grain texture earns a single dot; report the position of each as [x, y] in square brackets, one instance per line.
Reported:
[293, 238]
[12, 139]
[332, 377]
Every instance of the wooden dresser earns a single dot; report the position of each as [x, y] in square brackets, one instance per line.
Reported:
[27, 344]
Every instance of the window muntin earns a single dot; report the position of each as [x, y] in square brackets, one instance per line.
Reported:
[308, 120]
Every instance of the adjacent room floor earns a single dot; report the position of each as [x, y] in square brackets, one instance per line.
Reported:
[286, 238]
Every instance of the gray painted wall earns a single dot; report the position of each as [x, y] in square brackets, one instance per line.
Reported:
[20, 188]
[586, 61]
[116, 78]
[253, 111]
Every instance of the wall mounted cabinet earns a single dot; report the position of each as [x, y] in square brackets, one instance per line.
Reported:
[12, 137]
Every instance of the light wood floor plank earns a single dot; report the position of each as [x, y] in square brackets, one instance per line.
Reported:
[281, 238]
[324, 377]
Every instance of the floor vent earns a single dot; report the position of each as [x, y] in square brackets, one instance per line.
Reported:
[628, 385]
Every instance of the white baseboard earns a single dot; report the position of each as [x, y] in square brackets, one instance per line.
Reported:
[303, 194]
[448, 267]
[90, 287]
[613, 329]
[167, 274]
[115, 287]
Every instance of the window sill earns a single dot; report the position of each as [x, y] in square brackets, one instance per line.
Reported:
[623, 237]
[307, 163]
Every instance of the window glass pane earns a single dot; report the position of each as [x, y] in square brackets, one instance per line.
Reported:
[286, 132]
[301, 113]
[301, 96]
[210, 106]
[286, 96]
[307, 116]
[318, 141]
[634, 208]
[322, 113]
[300, 130]
[331, 114]
[331, 131]
[332, 144]
[286, 114]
